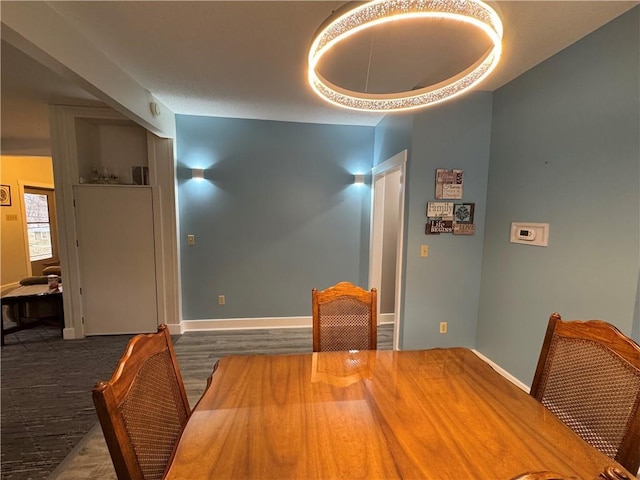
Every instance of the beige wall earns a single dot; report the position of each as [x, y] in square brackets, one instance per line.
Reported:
[17, 172]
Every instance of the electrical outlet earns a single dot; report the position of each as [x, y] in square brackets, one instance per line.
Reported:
[424, 250]
[221, 300]
[191, 239]
[443, 327]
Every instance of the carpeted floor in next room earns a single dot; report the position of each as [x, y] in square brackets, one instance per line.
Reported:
[48, 423]
[46, 397]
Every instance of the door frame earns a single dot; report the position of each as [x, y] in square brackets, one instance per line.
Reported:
[397, 162]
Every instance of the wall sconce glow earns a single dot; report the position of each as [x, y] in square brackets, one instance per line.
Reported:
[197, 173]
[358, 179]
[473, 12]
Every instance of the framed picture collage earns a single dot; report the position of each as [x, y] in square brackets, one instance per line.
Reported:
[450, 216]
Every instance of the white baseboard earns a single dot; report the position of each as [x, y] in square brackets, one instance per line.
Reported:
[503, 372]
[209, 324]
[205, 325]
[175, 328]
[69, 333]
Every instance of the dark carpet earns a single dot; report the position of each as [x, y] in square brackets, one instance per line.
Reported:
[46, 397]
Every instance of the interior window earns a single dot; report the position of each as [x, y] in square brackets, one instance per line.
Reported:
[41, 228]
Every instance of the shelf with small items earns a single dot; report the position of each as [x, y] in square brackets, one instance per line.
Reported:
[111, 152]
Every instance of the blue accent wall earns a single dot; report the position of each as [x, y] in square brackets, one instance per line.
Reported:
[565, 150]
[277, 214]
[445, 286]
[393, 135]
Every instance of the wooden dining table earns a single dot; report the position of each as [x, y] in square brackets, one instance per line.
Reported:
[439, 414]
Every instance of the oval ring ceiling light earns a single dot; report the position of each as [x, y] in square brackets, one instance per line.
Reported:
[473, 12]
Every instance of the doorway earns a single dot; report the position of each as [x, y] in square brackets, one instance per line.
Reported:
[387, 239]
[41, 228]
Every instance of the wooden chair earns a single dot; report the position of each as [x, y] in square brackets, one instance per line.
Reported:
[588, 375]
[344, 318]
[143, 408]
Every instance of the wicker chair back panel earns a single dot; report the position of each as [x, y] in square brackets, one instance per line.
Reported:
[592, 390]
[344, 318]
[154, 414]
[346, 323]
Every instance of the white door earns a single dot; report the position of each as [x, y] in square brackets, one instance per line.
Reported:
[117, 259]
[387, 237]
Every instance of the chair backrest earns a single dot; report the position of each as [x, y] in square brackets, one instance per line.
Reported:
[143, 408]
[344, 318]
[588, 375]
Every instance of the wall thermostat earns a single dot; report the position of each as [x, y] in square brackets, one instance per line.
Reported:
[530, 233]
[526, 234]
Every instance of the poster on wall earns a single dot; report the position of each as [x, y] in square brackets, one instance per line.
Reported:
[450, 217]
[464, 229]
[440, 209]
[436, 227]
[463, 219]
[463, 212]
[5, 195]
[449, 184]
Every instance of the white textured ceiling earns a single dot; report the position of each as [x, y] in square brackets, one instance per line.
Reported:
[247, 59]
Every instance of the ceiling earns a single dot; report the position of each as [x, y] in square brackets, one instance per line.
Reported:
[247, 59]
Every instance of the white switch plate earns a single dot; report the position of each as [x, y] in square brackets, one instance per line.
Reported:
[530, 233]
[424, 250]
[191, 239]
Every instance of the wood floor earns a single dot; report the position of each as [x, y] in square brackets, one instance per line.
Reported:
[46, 385]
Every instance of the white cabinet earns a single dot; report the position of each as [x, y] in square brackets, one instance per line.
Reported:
[117, 258]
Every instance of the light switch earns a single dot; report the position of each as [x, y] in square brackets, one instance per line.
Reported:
[191, 239]
[424, 250]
